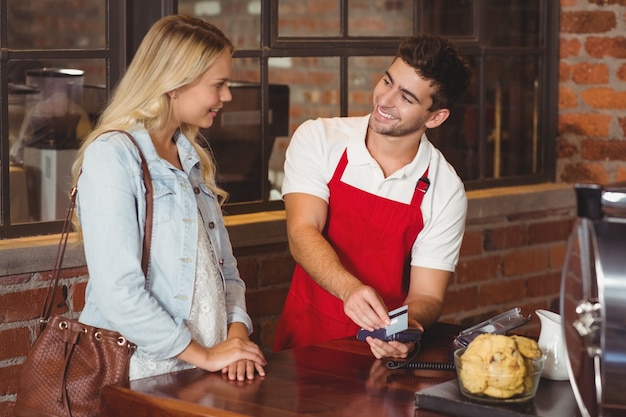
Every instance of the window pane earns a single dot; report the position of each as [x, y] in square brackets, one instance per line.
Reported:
[449, 17]
[49, 24]
[240, 20]
[235, 136]
[51, 108]
[363, 75]
[458, 136]
[513, 23]
[380, 18]
[512, 96]
[313, 92]
[308, 18]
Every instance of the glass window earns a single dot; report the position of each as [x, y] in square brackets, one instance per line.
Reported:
[240, 20]
[512, 96]
[294, 60]
[297, 18]
[309, 86]
[56, 24]
[513, 23]
[450, 17]
[370, 18]
[58, 75]
[364, 72]
[53, 104]
[459, 138]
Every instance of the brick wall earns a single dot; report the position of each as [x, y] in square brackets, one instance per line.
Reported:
[510, 259]
[592, 97]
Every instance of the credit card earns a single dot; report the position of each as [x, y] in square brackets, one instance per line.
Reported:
[399, 320]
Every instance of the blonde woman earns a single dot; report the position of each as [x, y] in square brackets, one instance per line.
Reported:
[190, 310]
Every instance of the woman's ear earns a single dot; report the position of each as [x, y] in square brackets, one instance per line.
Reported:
[437, 118]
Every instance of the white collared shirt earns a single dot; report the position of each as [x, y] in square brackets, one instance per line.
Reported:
[314, 152]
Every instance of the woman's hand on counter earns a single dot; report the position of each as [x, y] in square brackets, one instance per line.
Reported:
[243, 369]
[236, 357]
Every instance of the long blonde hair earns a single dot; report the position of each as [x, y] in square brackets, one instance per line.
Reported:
[175, 51]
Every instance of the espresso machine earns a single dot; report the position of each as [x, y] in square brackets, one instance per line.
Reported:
[593, 301]
[49, 137]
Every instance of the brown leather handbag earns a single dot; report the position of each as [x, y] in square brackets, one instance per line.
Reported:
[70, 362]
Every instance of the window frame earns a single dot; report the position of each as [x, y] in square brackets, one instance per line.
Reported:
[128, 21]
[345, 46]
[115, 55]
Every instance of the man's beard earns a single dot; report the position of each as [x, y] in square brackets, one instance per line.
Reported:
[397, 130]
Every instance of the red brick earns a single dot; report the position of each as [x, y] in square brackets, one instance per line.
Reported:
[550, 231]
[621, 72]
[472, 243]
[501, 292]
[567, 98]
[328, 7]
[588, 73]
[602, 47]
[267, 302]
[9, 377]
[544, 285]
[569, 48]
[525, 261]
[458, 300]
[248, 269]
[557, 256]
[6, 408]
[584, 124]
[620, 174]
[276, 270]
[565, 71]
[604, 98]
[603, 150]
[15, 279]
[476, 270]
[622, 124]
[78, 296]
[565, 148]
[587, 21]
[15, 342]
[584, 173]
[27, 305]
[506, 237]
[266, 333]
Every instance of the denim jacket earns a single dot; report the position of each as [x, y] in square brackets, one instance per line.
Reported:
[112, 211]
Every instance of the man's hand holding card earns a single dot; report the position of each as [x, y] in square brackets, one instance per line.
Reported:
[397, 330]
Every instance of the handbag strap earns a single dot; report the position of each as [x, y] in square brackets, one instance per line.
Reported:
[67, 225]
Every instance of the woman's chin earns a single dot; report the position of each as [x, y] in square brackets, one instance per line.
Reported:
[205, 124]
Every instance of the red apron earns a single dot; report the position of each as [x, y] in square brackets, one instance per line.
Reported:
[373, 237]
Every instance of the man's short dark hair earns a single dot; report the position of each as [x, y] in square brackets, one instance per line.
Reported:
[438, 60]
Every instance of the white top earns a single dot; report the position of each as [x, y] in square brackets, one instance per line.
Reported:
[313, 155]
[207, 320]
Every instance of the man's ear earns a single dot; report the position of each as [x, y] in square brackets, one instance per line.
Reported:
[437, 118]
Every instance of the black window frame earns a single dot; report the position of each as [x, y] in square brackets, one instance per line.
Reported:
[128, 21]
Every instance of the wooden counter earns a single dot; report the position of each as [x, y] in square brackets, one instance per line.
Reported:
[338, 378]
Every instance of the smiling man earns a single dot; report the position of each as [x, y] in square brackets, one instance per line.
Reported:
[375, 214]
